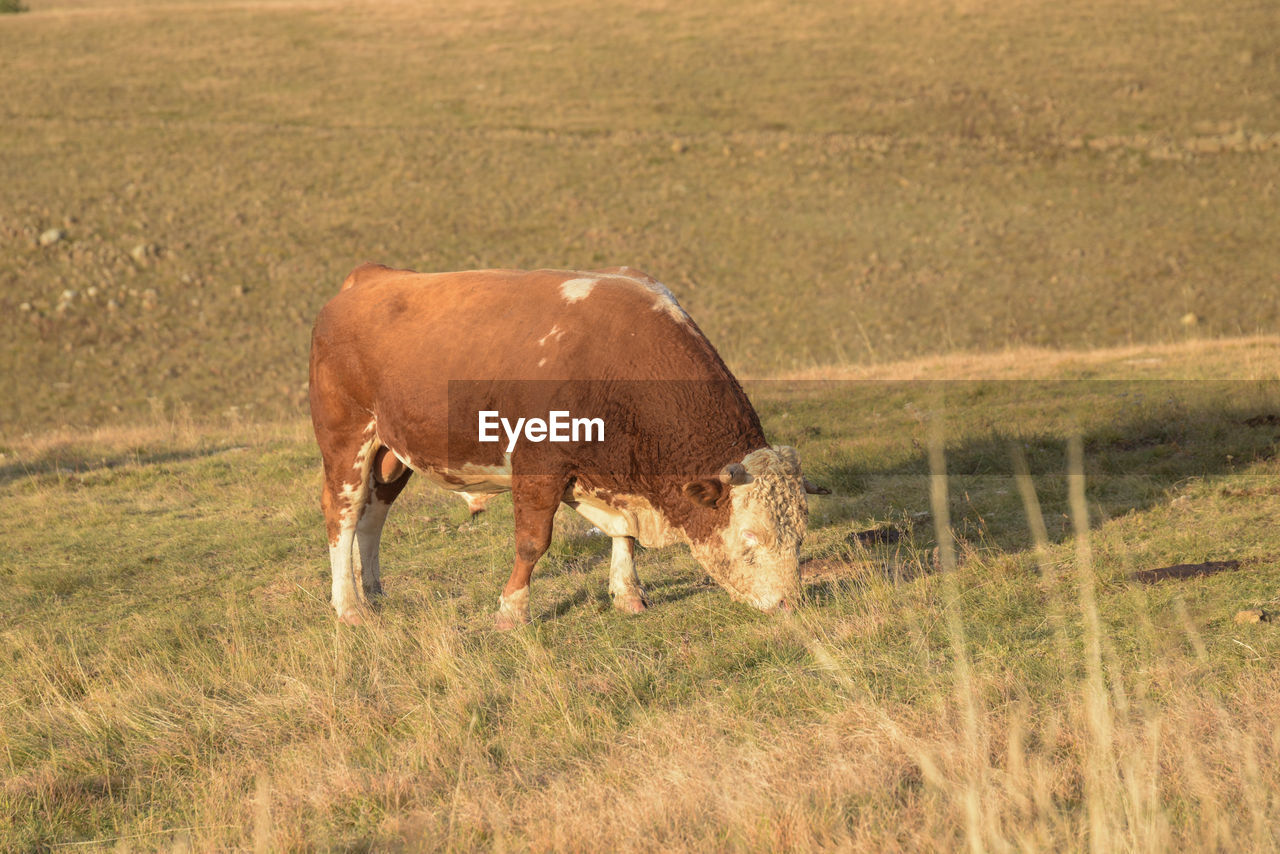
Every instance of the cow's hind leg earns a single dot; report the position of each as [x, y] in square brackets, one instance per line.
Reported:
[346, 485]
[535, 500]
[624, 584]
[387, 478]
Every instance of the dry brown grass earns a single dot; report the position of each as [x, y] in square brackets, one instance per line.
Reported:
[1250, 358]
[1186, 772]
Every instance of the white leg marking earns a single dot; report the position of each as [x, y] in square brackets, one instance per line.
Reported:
[346, 566]
[345, 598]
[624, 584]
[368, 544]
[513, 610]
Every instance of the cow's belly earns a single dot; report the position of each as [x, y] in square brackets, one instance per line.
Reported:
[469, 478]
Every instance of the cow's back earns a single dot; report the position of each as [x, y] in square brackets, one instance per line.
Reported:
[408, 348]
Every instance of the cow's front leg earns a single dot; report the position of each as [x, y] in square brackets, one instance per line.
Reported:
[534, 500]
[624, 584]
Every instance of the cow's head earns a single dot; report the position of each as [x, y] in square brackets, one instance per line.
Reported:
[756, 554]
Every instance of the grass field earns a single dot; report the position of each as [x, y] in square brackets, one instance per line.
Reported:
[886, 212]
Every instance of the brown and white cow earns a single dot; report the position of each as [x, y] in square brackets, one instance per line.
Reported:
[402, 362]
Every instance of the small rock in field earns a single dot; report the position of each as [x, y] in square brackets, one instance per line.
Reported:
[886, 535]
[678, 147]
[1253, 615]
[52, 236]
[1190, 319]
[143, 252]
[237, 290]
[26, 306]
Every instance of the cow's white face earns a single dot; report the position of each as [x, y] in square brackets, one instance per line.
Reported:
[756, 556]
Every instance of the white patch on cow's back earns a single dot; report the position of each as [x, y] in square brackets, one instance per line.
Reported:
[663, 299]
[553, 334]
[575, 289]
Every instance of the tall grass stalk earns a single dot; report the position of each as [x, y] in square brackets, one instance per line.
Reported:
[1044, 560]
[975, 752]
[1101, 785]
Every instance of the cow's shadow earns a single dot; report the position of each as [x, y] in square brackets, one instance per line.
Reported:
[71, 461]
[1141, 440]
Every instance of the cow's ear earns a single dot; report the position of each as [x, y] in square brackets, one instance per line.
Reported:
[705, 492]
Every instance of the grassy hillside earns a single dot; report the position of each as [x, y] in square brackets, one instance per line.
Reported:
[171, 673]
[834, 182]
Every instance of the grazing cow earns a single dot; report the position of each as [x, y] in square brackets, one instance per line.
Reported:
[403, 365]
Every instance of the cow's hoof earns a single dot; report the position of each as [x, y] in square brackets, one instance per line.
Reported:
[513, 610]
[505, 621]
[352, 618]
[631, 603]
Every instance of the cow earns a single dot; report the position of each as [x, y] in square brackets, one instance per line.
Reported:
[403, 362]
